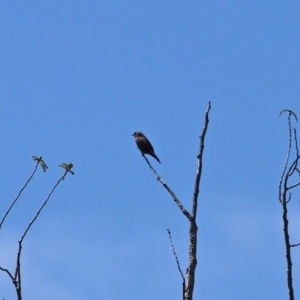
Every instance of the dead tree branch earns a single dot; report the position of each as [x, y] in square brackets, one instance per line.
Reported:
[285, 197]
[176, 200]
[178, 264]
[190, 273]
[19, 194]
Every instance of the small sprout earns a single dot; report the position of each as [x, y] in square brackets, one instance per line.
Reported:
[67, 167]
[41, 162]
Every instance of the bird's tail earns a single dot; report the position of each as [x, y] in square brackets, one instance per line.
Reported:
[154, 155]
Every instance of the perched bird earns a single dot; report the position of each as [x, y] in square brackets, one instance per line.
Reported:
[144, 145]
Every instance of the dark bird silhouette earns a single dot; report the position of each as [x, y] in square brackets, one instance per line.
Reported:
[144, 145]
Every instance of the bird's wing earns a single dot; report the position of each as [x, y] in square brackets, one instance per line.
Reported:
[149, 145]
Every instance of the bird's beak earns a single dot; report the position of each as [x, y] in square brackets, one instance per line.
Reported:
[132, 134]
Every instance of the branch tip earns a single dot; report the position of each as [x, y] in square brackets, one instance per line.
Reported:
[290, 113]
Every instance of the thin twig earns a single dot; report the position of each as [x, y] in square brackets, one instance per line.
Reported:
[296, 142]
[18, 262]
[293, 186]
[178, 264]
[8, 273]
[43, 205]
[19, 194]
[293, 167]
[175, 255]
[287, 158]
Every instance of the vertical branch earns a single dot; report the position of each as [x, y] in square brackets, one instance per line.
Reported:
[285, 197]
[296, 142]
[189, 282]
[190, 272]
[287, 157]
[287, 245]
[199, 163]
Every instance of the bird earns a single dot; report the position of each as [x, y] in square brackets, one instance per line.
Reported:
[144, 144]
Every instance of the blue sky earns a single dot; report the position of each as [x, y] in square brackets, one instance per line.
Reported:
[79, 77]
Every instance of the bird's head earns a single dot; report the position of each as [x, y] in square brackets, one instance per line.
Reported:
[137, 134]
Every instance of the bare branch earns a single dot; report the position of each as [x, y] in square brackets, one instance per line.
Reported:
[288, 156]
[289, 198]
[296, 142]
[189, 283]
[18, 273]
[293, 186]
[287, 250]
[178, 265]
[191, 270]
[176, 200]
[19, 194]
[199, 163]
[8, 273]
[175, 255]
[41, 208]
[293, 167]
[285, 197]
[290, 113]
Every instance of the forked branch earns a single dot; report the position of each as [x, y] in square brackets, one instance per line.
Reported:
[189, 282]
[16, 278]
[285, 197]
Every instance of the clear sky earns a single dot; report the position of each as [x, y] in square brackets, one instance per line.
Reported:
[77, 78]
